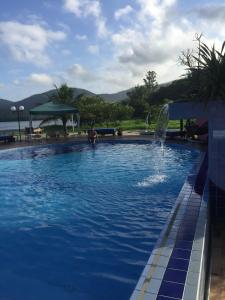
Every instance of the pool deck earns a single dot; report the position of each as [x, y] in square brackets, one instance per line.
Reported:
[128, 135]
[217, 284]
[81, 138]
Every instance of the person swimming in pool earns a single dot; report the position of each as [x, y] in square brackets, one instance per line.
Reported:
[92, 135]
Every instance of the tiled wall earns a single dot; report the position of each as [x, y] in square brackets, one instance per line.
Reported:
[217, 202]
[176, 267]
[217, 164]
[217, 147]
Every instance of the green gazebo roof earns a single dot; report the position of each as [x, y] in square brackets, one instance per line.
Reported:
[51, 108]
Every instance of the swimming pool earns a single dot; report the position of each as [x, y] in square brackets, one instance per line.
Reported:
[81, 224]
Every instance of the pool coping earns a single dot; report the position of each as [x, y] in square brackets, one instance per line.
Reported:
[133, 138]
[176, 268]
[127, 139]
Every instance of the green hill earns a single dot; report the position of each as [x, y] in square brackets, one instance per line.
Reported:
[175, 90]
[35, 100]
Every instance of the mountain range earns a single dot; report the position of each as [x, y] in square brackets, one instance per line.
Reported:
[35, 100]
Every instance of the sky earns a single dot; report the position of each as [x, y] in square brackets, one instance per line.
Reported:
[104, 46]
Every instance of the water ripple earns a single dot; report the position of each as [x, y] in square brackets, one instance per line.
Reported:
[74, 217]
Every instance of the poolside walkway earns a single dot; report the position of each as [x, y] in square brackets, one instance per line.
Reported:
[217, 286]
[127, 135]
[131, 135]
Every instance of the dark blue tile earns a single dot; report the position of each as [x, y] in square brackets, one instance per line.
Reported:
[185, 236]
[190, 219]
[171, 289]
[220, 192]
[194, 204]
[175, 276]
[192, 213]
[183, 244]
[195, 197]
[178, 264]
[187, 229]
[192, 209]
[186, 223]
[180, 253]
[221, 211]
[164, 298]
[221, 202]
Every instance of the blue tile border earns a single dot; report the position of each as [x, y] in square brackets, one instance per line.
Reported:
[181, 247]
[171, 289]
[175, 276]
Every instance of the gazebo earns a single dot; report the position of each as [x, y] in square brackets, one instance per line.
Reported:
[54, 109]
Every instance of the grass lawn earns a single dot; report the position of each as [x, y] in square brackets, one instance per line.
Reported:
[134, 125]
[124, 125]
[137, 125]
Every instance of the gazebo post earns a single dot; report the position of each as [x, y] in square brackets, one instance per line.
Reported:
[72, 122]
[78, 121]
[30, 123]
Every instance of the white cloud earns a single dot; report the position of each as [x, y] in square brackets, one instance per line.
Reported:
[88, 8]
[156, 9]
[77, 71]
[73, 6]
[101, 26]
[83, 7]
[92, 8]
[213, 12]
[123, 12]
[81, 37]
[28, 43]
[41, 78]
[93, 49]
[212, 17]
[154, 41]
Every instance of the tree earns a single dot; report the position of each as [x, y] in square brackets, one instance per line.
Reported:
[138, 102]
[122, 112]
[64, 95]
[150, 81]
[206, 75]
[91, 109]
[96, 110]
[117, 112]
[186, 58]
[150, 85]
[175, 90]
[140, 97]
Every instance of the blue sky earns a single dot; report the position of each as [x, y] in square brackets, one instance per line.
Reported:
[100, 45]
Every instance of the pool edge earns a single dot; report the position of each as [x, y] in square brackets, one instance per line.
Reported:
[158, 279]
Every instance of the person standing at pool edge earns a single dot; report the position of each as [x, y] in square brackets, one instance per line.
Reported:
[92, 135]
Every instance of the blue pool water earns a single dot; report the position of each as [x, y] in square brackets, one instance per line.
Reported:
[81, 224]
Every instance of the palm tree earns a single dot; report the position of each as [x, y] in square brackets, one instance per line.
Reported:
[63, 95]
[207, 74]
